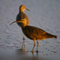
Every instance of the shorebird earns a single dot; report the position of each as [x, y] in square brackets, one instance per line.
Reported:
[34, 33]
[22, 15]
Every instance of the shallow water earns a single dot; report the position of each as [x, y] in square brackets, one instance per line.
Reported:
[44, 14]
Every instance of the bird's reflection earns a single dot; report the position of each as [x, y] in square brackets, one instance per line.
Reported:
[23, 49]
[28, 55]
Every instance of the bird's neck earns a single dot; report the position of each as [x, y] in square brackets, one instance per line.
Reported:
[23, 25]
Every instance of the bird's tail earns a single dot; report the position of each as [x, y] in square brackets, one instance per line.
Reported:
[55, 36]
[51, 36]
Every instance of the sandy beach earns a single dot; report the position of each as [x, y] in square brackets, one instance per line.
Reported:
[44, 14]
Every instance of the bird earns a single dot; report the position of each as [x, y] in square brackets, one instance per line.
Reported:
[34, 33]
[22, 15]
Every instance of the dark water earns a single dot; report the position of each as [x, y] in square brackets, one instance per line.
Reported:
[16, 53]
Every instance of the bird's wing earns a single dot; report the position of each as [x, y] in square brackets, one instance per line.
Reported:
[31, 31]
[19, 17]
[22, 16]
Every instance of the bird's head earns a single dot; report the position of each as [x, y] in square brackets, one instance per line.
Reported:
[22, 8]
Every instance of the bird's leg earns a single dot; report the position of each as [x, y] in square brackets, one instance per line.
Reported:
[23, 41]
[23, 46]
[37, 46]
[33, 46]
[23, 37]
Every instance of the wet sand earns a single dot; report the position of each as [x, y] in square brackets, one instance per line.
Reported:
[44, 14]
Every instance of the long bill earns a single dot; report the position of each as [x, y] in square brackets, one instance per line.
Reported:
[27, 9]
[14, 22]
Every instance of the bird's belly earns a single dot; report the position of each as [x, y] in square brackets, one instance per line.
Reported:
[34, 37]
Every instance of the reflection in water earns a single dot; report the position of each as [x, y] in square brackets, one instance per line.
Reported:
[28, 55]
[23, 49]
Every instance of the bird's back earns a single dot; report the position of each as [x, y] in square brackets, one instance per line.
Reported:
[20, 16]
[35, 33]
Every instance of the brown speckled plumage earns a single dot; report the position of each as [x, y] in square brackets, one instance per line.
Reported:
[35, 33]
[22, 15]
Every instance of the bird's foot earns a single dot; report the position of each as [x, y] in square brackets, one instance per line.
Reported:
[23, 38]
[23, 49]
[32, 51]
[37, 51]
